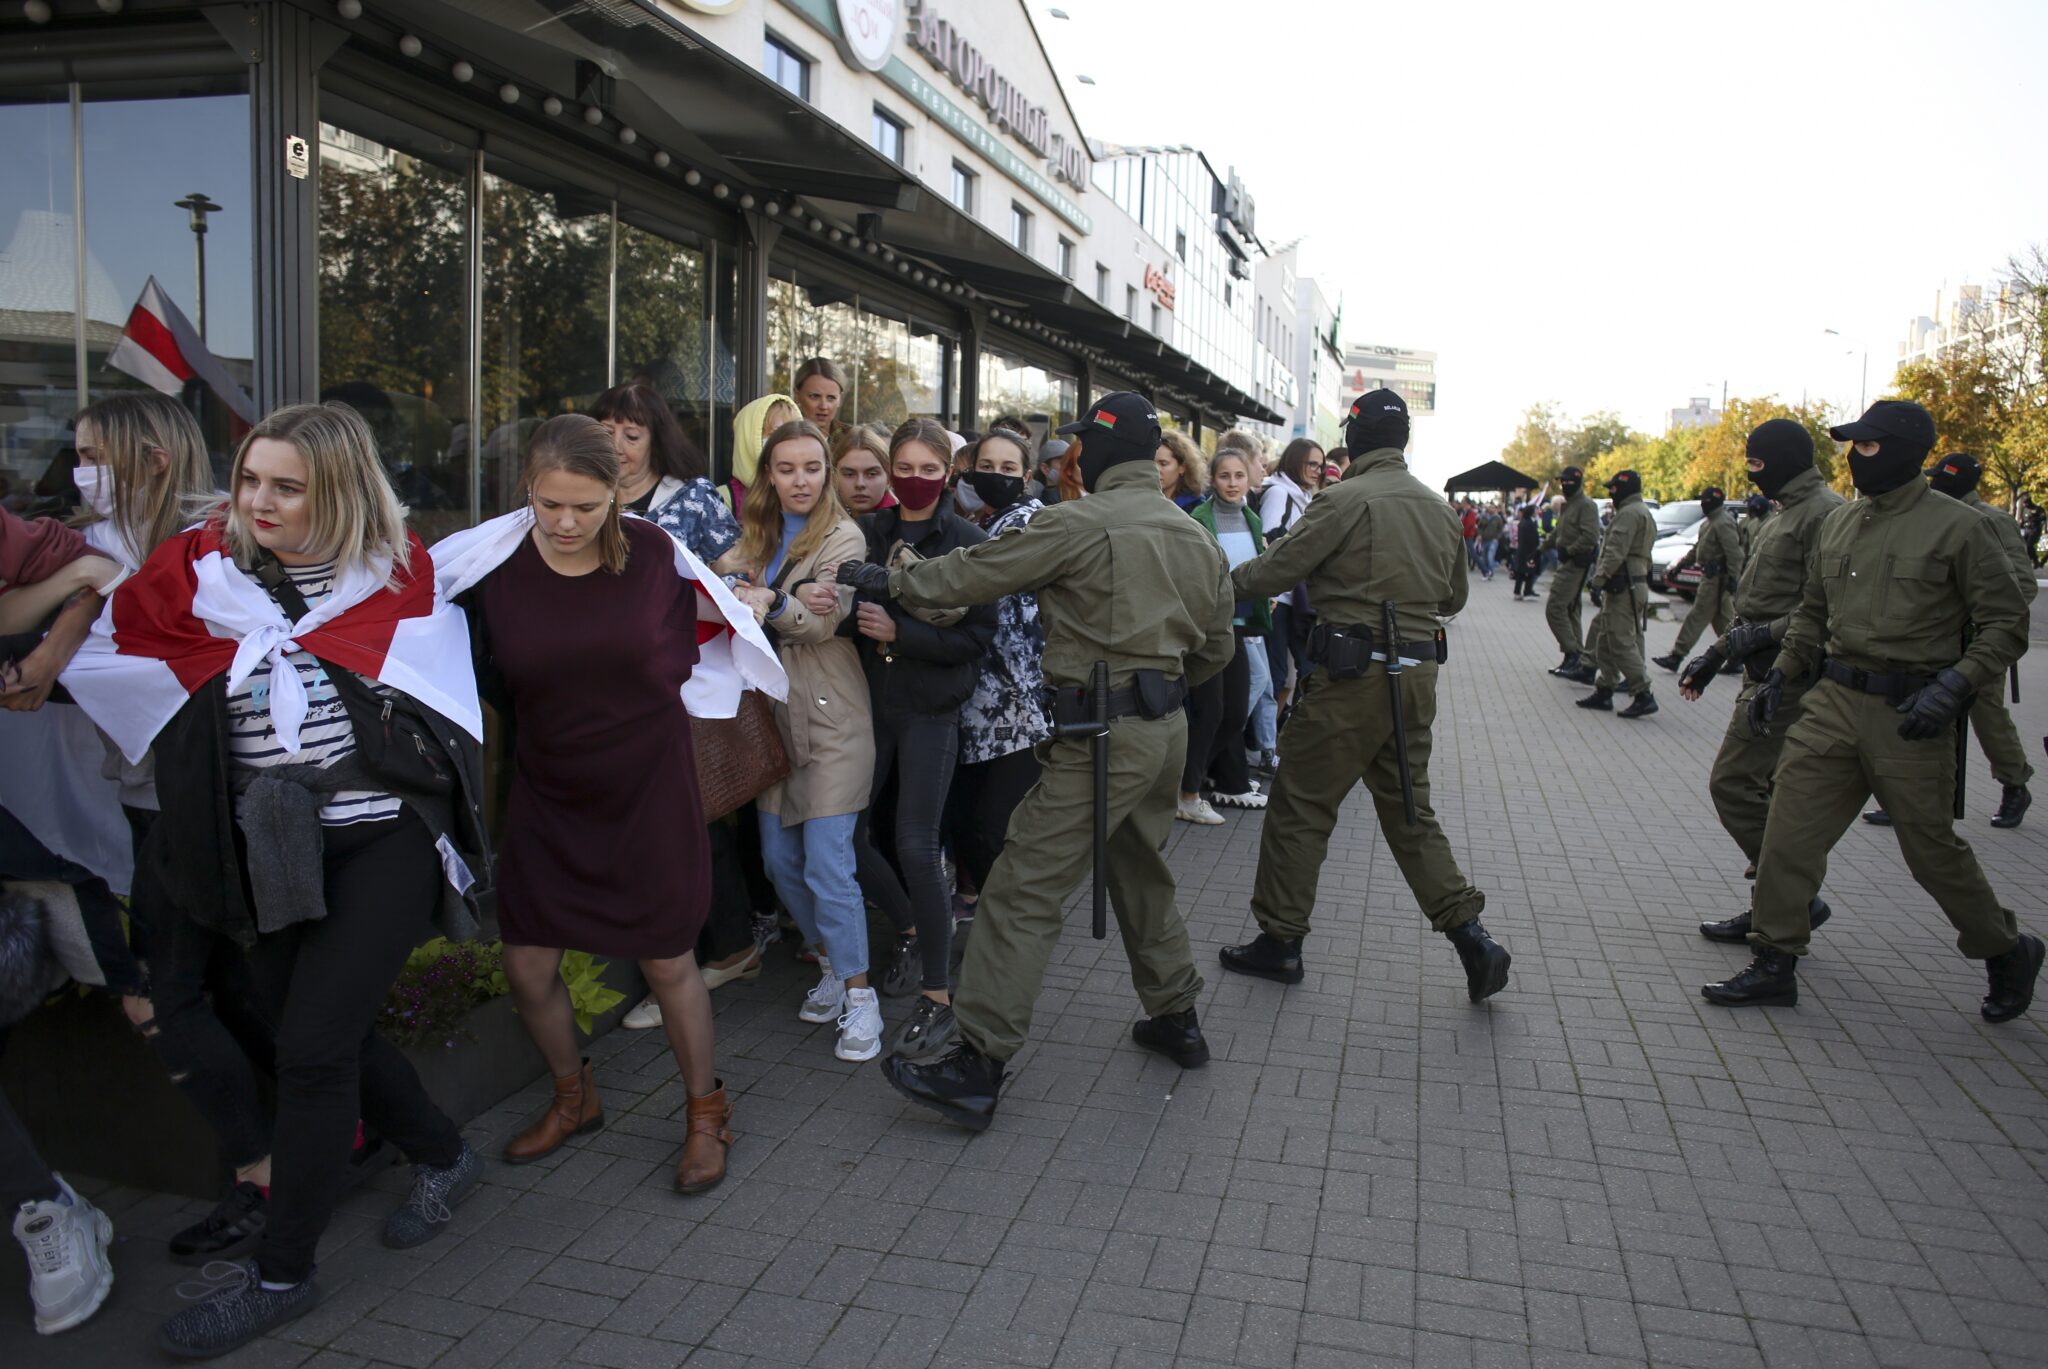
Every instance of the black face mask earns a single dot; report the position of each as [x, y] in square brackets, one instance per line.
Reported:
[1619, 490]
[1895, 464]
[1710, 502]
[1100, 453]
[998, 491]
[1783, 449]
[1570, 487]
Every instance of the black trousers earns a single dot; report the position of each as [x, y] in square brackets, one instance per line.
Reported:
[920, 750]
[1217, 709]
[729, 925]
[24, 1178]
[323, 982]
[984, 796]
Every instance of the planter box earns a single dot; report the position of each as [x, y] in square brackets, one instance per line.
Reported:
[97, 1102]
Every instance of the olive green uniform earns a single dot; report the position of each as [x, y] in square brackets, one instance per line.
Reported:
[1772, 584]
[1575, 537]
[1380, 534]
[1988, 716]
[1122, 576]
[1719, 555]
[1626, 551]
[1895, 581]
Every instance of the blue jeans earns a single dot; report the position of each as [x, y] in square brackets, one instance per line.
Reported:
[811, 865]
[1486, 550]
[1265, 712]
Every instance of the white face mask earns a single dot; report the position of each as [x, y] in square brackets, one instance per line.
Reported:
[96, 485]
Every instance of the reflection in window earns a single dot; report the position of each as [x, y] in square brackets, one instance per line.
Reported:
[667, 339]
[38, 303]
[393, 317]
[894, 370]
[1011, 386]
[546, 321]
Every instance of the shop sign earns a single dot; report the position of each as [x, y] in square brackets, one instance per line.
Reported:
[1030, 124]
[298, 158]
[1162, 289]
[867, 31]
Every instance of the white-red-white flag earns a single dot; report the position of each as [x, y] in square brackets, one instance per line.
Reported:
[161, 348]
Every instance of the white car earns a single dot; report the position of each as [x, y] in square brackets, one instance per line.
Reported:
[1667, 552]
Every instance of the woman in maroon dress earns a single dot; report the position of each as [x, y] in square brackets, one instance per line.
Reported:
[587, 632]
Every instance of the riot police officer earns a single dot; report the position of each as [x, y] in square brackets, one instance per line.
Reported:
[1910, 609]
[1576, 539]
[1779, 455]
[1384, 559]
[1719, 555]
[1123, 577]
[1621, 593]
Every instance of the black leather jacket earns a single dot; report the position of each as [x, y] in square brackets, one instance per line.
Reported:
[926, 669]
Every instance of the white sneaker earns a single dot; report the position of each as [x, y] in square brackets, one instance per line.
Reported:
[1197, 810]
[827, 998]
[860, 1030]
[66, 1244]
[1251, 798]
[648, 1014]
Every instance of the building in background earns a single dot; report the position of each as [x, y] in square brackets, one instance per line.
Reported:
[1699, 412]
[1967, 313]
[1318, 367]
[1276, 380]
[1404, 370]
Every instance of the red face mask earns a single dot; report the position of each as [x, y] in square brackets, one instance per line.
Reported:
[917, 492]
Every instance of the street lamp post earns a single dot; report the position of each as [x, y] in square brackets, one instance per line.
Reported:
[1862, 385]
[200, 207]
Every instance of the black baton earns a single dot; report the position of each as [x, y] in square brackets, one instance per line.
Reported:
[1392, 633]
[1962, 756]
[1096, 726]
[2013, 674]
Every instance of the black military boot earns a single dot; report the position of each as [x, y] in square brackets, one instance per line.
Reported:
[1600, 698]
[1644, 705]
[1670, 662]
[1737, 928]
[1177, 1036]
[2012, 979]
[1772, 980]
[1567, 665]
[1582, 673]
[960, 1085]
[2013, 806]
[1877, 817]
[1486, 961]
[1268, 957]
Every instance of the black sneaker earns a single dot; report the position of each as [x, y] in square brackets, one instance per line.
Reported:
[234, 1314]
[231, 1230]
[962, 1085]
[928, 1030]
[436, 1193]
[1177, 1036]
[906, 969]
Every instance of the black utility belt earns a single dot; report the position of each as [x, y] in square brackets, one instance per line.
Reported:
[1619, 581]
[1149, 695]
[1346, 653]
[1715, 570]
[1892, 684]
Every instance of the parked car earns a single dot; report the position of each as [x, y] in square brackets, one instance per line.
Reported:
[1667, 552]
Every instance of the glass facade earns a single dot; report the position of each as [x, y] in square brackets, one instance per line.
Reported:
[115, 159]
[896, 367]
[1024, 389]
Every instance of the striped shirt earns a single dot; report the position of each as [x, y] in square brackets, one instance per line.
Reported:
[326, 735]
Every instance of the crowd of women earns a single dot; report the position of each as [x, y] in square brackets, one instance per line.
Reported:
[283, 668]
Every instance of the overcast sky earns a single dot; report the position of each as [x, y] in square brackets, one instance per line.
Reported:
[1606, 205]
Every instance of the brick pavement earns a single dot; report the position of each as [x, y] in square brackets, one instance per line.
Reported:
[1597, 1169]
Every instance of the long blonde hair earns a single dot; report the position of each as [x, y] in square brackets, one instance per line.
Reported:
[577, 444]
[354, 515]
[761, 519]
[150, 504]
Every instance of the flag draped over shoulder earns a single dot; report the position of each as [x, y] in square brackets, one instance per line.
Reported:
[733, 653]
[189, 615]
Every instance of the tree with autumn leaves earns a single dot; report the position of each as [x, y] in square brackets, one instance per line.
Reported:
[1677, 465]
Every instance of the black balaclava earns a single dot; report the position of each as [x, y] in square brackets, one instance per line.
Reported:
[1904, 434]
[1376, 420]
[1784, 449]
[1622, 484]
[1897, 462]
[1121, 426]
[1571, 480]
[1711, 498]
[1955, 475]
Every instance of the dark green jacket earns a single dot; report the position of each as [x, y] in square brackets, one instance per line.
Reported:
[1781, 553]
[1577, 531]
[1257, 612]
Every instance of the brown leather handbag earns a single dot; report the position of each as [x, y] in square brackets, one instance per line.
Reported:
[738, 758]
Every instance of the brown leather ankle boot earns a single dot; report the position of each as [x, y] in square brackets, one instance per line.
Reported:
[574, 1111]
[705, 1144]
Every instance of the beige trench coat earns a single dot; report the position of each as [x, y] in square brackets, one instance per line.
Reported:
[826, 724]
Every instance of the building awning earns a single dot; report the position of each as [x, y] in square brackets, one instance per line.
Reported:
[1494, 475]
[720, 116]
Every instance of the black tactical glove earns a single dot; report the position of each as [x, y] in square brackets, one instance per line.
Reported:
[1930, 712]
[1701, 669]
[1594, 595]
[864, 577]
[1763, 705]
[1745, 640]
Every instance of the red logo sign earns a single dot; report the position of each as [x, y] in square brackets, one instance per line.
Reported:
[1159, 285]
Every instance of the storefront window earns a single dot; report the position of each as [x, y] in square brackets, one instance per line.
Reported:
[546, 318]
[667, 334]
[901, 374]
[1027, 391]
[894, 369]
[38, 302]
[145, 150]
[393, 312]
